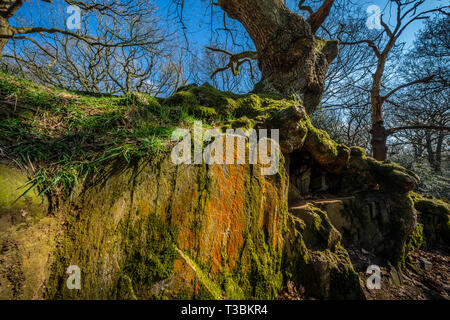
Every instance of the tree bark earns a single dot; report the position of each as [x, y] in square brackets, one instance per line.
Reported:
[7, 10]
[378, 131]
[291, 59]
[5, 29]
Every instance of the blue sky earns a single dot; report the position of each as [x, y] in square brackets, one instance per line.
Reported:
[196, 18]
[197, 15]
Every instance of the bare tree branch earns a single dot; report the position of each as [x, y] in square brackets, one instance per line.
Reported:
[236, 60]
[417, 127]
[424, 80]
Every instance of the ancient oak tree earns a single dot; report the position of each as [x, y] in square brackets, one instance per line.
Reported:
[107, 12]
[291, 58]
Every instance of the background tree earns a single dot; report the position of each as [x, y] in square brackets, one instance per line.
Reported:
[132, 53]
[345, 106]
[422, 114]
[111, 12]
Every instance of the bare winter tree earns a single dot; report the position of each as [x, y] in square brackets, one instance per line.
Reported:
[114, 11]
[406, 12]
[345, 108]
[422, 113]
[215, 66]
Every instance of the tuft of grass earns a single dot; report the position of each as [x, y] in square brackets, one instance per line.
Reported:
[65, 136]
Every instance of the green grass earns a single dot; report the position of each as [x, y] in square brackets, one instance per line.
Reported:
[64, 136]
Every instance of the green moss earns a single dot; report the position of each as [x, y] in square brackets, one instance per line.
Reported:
[344, 284]
[319, 233]
[14, 208]
[435, 217]
[324, 150]
[250, 105]
[205, 113]
[182, 99]
[27, 250]
[242, 122]
[319, 45]
[125, 289]
[152, 260]
[231, 289]
[228, 106]
[314, 258]
[208, 288]
[261, 277]
[357, 152]
[320, 145]
[417, 239]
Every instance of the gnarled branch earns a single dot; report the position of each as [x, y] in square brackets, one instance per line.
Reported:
[317, 18]
[417, 127]
[424, 80]
[235, 61]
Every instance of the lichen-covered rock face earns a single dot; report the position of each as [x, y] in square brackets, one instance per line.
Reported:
[149, 229]
[156, 230]
[434, 215]
[314, 257]
[376, 211]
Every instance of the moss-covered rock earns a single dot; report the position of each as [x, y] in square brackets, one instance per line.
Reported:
[156, 230]
[434, 214]
[27, 237]
[417, 239]
[15, 208]
[146, 228]
[329, 154]
[315, 259]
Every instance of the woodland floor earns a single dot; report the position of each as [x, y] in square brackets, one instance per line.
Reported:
[415, 282]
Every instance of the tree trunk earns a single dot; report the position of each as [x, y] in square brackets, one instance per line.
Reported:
[379, 148]
[5, 29]
[438, 154]
[291, 59]
[3, 43]
[378, 131]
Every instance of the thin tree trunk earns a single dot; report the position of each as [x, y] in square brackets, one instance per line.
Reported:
[438, 154]
[5, 29]
[379, 147]
[3, 43]
[431, 158]
[378, 131]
